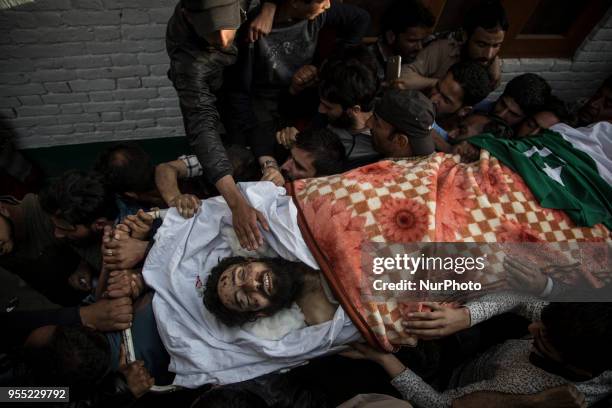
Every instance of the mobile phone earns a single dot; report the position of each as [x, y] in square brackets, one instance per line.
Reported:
[394, 68]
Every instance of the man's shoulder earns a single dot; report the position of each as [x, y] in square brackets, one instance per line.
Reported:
[445, 46]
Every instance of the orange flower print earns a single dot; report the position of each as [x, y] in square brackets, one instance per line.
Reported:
[403, 220]
[377, 173]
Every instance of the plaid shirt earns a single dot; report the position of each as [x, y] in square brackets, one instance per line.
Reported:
[194, 168]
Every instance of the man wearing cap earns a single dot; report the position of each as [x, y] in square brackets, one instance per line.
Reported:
[401, 124]
[200, 43]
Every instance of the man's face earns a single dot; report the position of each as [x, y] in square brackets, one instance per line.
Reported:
[508, 110]
[447, 96]
[70, 232]
[6, 237]
[483, 45]
[410, 42]
[299, 165]
[598, 108]
[247, 287]
[310, 10]
[467, 127]
[536, 123]
[333, 111]
[382, 136]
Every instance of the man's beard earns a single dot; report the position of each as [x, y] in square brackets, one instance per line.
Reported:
[344, 121]
[466, 57]
[284, 284]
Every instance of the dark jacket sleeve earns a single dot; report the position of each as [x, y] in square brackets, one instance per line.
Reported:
[200, 115]
[351, 23]
[20, 324]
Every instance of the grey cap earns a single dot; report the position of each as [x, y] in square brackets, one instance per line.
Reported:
[208, 16]
[412, 113]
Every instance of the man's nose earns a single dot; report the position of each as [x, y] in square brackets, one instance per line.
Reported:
[251, 282]
[490, 53]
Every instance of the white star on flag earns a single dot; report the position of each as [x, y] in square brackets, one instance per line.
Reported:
[542, 153]
[554, 173]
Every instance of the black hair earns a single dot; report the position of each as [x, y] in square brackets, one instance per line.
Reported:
[286, 289]
[126, 167]
[497, 127]
[487, 14]
[556, 106]
[581, 333]
[326, 149]
[350, 78]
[404, 14]
[79, 197]
[76, 357]
[229, 397]
[529, 91]
[474, 80]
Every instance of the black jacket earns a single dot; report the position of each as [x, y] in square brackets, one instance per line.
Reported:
[196, 70]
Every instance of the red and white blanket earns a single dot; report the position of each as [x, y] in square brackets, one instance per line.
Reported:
[432, 199]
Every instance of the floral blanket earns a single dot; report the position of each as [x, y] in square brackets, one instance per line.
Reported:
[433, 199]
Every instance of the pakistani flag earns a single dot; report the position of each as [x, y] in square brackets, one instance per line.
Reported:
[559, 175]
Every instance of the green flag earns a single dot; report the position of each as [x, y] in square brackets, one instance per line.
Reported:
[559, 175]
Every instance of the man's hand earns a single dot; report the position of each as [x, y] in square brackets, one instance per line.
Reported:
[125, 283]
[442, 321]
[388, 361]
[359, 351]
[186, 204]
[262, 24]
[139, 224]
[108, 314]
[305, 77]
[287, 137]
[468, 152]
[138, 379]
[244, 219]
[122, 251]
[274, 175]
[524, 277]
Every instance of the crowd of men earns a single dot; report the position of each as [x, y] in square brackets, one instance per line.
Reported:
[281, 91]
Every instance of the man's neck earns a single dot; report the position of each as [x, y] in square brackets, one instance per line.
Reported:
[313, 300]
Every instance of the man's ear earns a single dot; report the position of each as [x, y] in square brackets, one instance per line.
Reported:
[389, 37]
[466, 110]
[4, 211]
[99, 224]
[401, 140]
